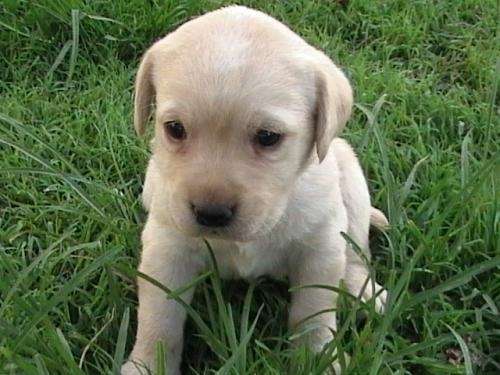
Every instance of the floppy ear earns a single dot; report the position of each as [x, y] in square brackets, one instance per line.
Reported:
[144, 93]
[333, 106]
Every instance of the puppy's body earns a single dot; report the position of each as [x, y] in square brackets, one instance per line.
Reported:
[226, 75]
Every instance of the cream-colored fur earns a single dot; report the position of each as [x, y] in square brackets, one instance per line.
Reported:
[226, 75]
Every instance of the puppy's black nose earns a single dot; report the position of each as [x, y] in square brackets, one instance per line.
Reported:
[213, 215]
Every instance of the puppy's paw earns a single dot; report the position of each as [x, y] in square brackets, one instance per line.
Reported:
[133, 368]
[371, 290]
[375, 290]
[137, 368]
[335, 368]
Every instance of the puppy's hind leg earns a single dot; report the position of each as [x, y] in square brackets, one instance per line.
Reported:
[360, 213]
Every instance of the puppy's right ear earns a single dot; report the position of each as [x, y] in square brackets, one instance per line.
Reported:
[333, 105]
[144, 93]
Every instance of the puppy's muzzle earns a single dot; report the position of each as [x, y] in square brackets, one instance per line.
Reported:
[213, 215]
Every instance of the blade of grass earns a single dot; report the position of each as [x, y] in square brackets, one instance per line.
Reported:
[25, 129]
[410, 180]
[40, 365]
[27, 271]
[59, 59]
[160, 359]
[47, 165]
[371, 116]
[465, 351]
[245, 316]
[241, 347]
[75, 27]
[64, 350]
[453, 282]
[121, 342]
[65, 290]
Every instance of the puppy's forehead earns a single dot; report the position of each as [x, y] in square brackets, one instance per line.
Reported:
[226, 72]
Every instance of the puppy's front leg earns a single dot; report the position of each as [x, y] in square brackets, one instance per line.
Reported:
[322, 264]
[160, 318]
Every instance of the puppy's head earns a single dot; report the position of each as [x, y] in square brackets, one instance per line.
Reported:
[241, 106]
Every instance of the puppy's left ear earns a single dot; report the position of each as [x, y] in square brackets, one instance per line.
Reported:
[144, 93]
[333, 105]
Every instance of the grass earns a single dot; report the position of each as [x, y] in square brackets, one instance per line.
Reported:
[426, 130]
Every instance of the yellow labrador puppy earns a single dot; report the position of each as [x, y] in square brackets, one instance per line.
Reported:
[245, 155]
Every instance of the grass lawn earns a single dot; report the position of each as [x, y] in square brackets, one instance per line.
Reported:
[425, 127]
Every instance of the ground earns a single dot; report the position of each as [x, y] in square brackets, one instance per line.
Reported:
[425, 127]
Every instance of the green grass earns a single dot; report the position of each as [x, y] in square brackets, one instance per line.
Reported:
[426, 130]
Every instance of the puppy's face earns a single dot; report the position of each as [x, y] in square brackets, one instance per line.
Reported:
[233, 131]
[230, 148]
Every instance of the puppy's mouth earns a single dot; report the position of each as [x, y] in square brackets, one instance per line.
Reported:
[234, 233]
[224, 234]
[237, 231]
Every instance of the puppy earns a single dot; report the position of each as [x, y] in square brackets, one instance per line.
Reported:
[245, 155]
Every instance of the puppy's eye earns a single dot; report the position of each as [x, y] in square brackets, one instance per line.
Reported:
[266, 138]
[175, 130]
